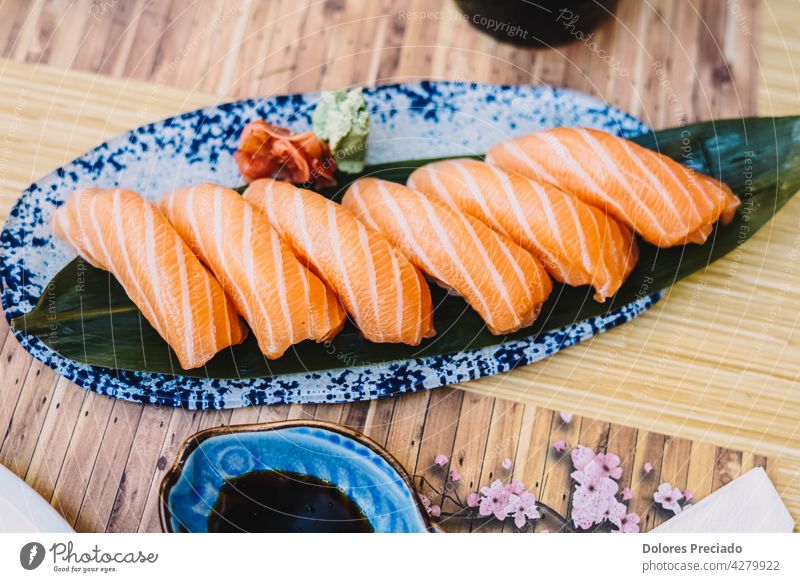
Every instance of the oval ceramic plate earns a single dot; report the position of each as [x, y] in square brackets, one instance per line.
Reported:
[424, 119]
[360, 468]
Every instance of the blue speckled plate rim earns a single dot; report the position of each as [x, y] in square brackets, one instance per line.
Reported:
[193, 442]
[338, 385]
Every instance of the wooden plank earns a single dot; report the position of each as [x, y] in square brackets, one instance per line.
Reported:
[59, 31]
[438, 437]
[676, 74]
[341, 53]
[96, 35]
[532, 448]
[4, 332]
[354, 415]
[270, 52]
[246, 415]
[273, 413]
[310, 62]
[512, 66]
[232, 19]
[649, 449]
[379, 419]
[674, 468]
[14, 13]
[79, 458]
[594, 434]
[468, 454]
[702, 464]
[122, 33]
[27, 32]
[182, 424]
[779, 84]
[729, 466]
[142, 59]
[25, 424]
[405, 433]
[54, 438]
[328, 412]
[100, 493]
[392, 49]
[556, 489]
[622, 442]
[751, 461]
[502, 443]
[16, 362]
[139, 473]
[301, 411]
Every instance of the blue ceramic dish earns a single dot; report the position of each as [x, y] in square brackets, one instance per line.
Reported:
[410, 120]
[359, 467]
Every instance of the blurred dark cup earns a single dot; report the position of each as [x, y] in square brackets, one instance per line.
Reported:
[537, 23]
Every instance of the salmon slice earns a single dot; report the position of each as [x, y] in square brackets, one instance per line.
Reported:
[504, 283]
[578, 244]
[120, 232]
[282, 300]
[384, 293]
[664, 201]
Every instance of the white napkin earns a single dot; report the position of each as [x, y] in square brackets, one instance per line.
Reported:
[749, 504]
[22, 510]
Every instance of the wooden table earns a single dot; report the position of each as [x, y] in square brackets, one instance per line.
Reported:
[717, 361]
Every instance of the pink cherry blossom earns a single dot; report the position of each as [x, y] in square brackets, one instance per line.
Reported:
[425, 501]
[525, 509]
[614, 513]
[581, 456]
[668, 497]
[609, 464]
[596, 496]
[519, 519]
[592, 501]
[648, 468]
[441, 460]
[494, 500]
[687, 495]
[513, 503]
[516, 487]
[595, 483]
[582, 517]
[566, 417]
[629, 523]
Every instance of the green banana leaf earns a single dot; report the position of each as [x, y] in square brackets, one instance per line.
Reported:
[93, 321]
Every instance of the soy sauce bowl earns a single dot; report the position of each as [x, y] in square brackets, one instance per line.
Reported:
[359, 467]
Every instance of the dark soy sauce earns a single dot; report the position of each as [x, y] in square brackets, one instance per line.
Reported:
[538, 23]
[284, 502]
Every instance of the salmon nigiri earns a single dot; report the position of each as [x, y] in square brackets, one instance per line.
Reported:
[282, 300]
[664, 201]
[384, 293]
[120, 232]
[504, 283]
[578, 244]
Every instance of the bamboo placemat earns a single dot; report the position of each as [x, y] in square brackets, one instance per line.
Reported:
[716, 362]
